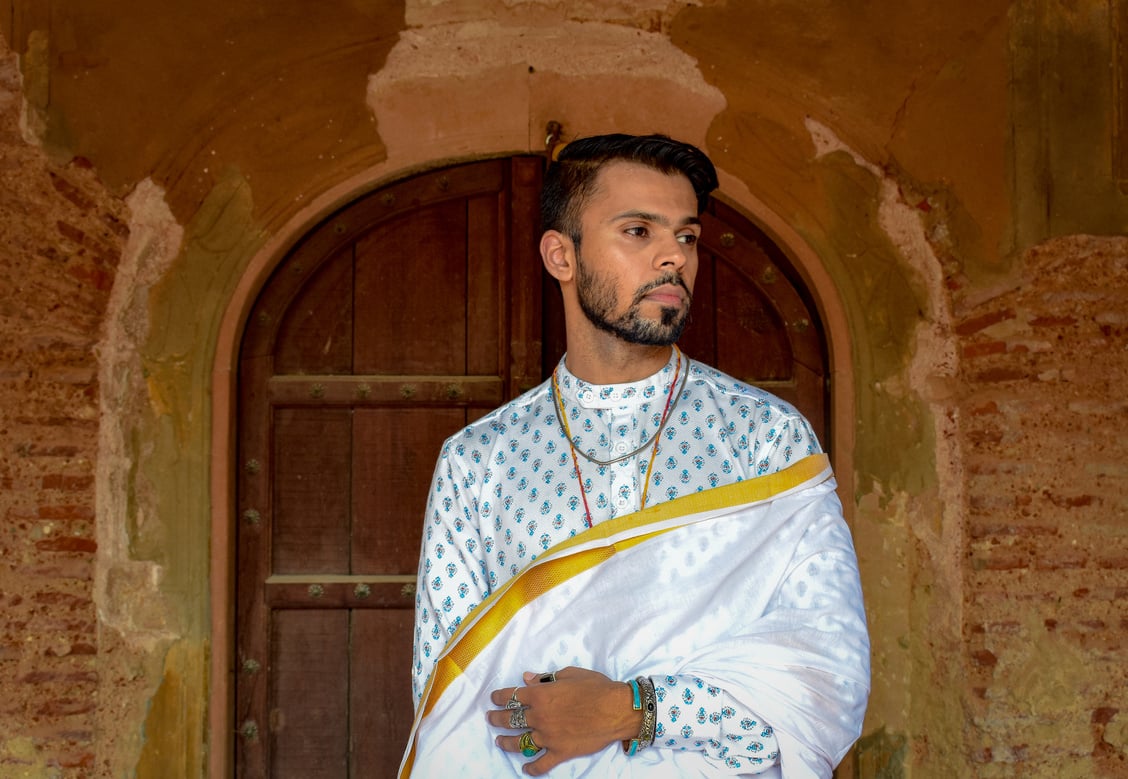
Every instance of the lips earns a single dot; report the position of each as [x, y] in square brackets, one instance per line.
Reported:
[666, 295]
[668, 291]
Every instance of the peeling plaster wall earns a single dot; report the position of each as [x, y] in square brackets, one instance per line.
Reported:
[941, 164]
[61, 237]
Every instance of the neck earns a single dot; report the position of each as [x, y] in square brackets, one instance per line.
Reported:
[615, 362]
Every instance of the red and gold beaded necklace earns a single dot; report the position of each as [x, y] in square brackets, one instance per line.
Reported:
[670, 403]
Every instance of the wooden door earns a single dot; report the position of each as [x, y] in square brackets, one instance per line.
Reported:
[394, 323]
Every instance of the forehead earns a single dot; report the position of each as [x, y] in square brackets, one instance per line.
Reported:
[630, 186]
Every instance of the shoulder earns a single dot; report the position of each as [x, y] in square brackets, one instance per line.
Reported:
[727, 392]
[514, 419]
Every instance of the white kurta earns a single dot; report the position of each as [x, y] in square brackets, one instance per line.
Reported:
[505, 492]
[752, 587]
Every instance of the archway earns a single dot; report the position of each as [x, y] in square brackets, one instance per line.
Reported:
[348, 382]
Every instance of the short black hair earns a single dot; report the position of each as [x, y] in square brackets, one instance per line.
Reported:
[570, 179]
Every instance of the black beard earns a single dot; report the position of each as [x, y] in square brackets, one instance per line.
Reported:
[598, 300]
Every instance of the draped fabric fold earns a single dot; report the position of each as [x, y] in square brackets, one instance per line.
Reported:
[753, 587]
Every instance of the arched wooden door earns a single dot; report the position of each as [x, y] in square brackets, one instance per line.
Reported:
[390, 326]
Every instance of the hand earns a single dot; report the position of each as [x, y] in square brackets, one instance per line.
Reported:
[580, 713]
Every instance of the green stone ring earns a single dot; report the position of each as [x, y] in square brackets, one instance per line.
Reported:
[528, 747]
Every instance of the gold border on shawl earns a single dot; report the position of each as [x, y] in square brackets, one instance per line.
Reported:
[558, 565]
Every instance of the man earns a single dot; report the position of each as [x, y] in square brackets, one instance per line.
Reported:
[638, 568]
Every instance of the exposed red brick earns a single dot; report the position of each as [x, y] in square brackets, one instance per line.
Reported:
[1061, 562]
[1004, 561]
[71, 192]
[78, 759]
[1103, 715]
[984, 658]
[975, 324]
[95, 277]
[65, 483]
[66, 512]
[65, 707]
[67, 544]
[32, 450]
[69, 677]
[70, 232]
[1092, 624]
[992, 375]
[971, 351]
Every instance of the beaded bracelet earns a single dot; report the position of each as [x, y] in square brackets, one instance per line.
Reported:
[644, 699]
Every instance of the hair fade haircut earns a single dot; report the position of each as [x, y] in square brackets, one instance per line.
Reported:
[571, 179]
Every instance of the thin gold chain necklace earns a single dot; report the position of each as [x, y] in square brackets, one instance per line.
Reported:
[670, 403]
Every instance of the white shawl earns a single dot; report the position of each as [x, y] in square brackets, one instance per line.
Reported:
[752, 587]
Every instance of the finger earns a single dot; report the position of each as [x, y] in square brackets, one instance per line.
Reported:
[504, 695]
[513, 743]
[547, 677]
[503, 718]
[543, 764]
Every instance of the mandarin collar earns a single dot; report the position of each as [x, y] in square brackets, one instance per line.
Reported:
[607, 396]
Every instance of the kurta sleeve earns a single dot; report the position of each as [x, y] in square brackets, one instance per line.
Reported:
[451, 579]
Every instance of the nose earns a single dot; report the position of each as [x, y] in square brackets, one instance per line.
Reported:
[671, 254]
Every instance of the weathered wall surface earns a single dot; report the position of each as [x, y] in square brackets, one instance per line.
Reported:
[947, 166]
[1045, 365]
[61, 235]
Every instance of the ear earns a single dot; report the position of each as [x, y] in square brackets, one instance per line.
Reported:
[557, 253]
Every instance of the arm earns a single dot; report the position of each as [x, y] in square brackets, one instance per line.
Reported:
[800, 659]
[451, 578]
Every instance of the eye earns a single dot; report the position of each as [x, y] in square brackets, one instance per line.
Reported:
[638, 231]
[689, 239]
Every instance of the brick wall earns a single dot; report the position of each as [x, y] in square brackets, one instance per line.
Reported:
[1045, 426]
[60, 238]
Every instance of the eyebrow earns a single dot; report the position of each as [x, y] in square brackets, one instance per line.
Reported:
[646, 216]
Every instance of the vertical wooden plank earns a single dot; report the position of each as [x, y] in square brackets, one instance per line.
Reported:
[484, 262]
[752, 342]
[394, 458]
[381, 691]
[310, 683]
[252, 543]
[315, 333]
[313, 454]
[525, 274]
[411, 281]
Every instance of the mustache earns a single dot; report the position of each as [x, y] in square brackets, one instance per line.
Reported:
[671, 278]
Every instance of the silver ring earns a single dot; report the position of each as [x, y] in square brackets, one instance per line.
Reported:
[548, 677]
[517, 719]
[513, 703]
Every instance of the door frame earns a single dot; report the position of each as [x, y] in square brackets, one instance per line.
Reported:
[224, 428]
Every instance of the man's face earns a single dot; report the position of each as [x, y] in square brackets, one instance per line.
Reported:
[637, 259]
